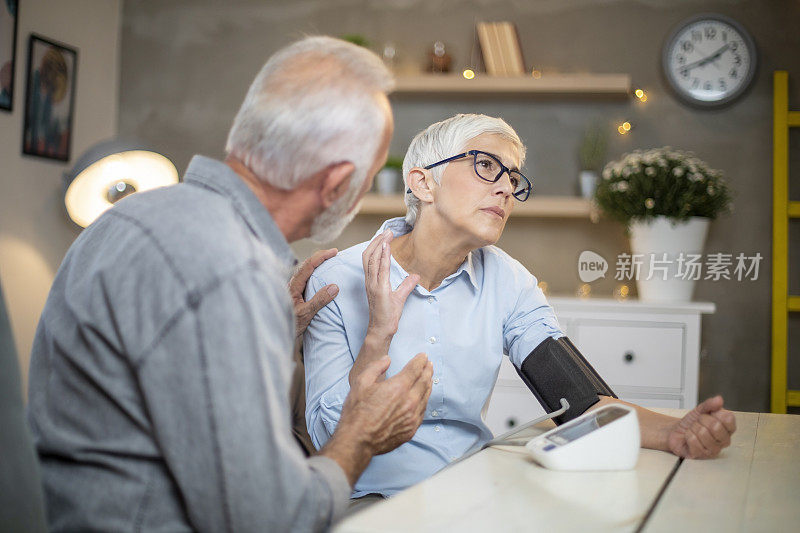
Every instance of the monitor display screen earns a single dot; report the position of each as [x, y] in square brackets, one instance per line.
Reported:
[571, 432]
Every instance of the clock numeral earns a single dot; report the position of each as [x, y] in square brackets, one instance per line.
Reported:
[734, 46]
[684, 73]
[697, 35]
[733, 73]
[695, 83]
[722, 85]
[737, 59]
[681, 59]
[687, 46]
[707, 86]
[711, 32]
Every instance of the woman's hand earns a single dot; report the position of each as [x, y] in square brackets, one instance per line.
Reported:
[385, 305]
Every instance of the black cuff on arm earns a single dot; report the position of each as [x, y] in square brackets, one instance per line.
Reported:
[556, 369]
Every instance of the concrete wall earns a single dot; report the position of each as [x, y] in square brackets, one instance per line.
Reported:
[187, 65]
[35, 231]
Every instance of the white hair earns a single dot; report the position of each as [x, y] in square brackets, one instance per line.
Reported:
[445, 139]
[314, 103]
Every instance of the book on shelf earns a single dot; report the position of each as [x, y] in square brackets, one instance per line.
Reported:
[502, 54]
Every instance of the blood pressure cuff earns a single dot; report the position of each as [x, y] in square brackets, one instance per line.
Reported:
[556, 369]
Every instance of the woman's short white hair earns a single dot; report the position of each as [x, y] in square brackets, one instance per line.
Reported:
[445, 139]
[314, 103]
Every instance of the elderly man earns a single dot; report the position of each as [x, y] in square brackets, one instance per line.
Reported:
[159, 374]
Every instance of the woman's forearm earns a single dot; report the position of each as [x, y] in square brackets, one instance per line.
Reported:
[375, 346]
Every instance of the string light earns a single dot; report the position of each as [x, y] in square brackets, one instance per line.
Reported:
[468, 73]
[536, 73]
[624, 128]
[641, 95]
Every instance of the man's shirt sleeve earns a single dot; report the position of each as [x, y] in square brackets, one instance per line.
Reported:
[216, 386]
[328, 360]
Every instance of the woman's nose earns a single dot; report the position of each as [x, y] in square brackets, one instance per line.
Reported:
[503, 185]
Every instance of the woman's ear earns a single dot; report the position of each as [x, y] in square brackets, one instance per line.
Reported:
[421, 183]
[335, 181]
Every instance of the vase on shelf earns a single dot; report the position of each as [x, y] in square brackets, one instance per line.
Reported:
[587, 179]
[669, 253]
[388, 180]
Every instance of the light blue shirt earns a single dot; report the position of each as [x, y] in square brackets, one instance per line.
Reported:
[489, 307]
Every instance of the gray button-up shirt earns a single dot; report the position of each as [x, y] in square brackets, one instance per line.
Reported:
[159, 377]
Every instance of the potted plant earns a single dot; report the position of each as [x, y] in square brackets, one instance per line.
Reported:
[592, 153]
[389, 178]
[665, 198]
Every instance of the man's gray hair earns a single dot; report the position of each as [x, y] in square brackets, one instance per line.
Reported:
[445, 139]
[314, 103]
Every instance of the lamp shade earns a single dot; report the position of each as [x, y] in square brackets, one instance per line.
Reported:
[108, 172]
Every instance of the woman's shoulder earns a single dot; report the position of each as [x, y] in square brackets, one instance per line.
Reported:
[495, 260]
[343, 266]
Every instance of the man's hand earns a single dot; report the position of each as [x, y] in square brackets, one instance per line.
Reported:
[704, 431]
[380, 414]
[305, 311]
[389, 411]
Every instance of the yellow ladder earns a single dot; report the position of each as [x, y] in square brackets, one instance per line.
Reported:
[782, 210]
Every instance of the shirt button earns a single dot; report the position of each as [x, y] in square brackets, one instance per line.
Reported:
[435, 381]
[436, 428]
[435, 413]
[431, 299]
[432, 340]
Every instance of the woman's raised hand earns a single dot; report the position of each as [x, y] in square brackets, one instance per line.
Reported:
[385, 305]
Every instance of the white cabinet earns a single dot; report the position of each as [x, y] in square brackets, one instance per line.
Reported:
[647, 353]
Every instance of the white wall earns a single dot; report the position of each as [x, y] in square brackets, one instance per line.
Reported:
[34, 229]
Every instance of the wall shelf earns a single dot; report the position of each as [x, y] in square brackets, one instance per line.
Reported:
[536, 207]
[616, 86]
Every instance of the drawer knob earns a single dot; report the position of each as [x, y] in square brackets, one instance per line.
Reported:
[628, 357]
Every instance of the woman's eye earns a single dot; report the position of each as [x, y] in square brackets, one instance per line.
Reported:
[515, 182]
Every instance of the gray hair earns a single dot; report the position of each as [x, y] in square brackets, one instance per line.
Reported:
[314, 103]
[445, 139]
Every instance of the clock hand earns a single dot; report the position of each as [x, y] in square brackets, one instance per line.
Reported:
[701, 62]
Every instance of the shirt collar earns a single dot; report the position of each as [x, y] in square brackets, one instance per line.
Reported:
[221, 178]
[400, 227]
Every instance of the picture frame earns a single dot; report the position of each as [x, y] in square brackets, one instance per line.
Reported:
[49, 98]
[9, 17]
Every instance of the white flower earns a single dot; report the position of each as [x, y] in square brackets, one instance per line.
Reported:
[649, 203]
[620, 186]
[696, 176]
[710, 190]
[626, 172]
[677, 172]
[650, 171]
[607, 173]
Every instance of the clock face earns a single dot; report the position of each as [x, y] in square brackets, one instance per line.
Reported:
[709, 60]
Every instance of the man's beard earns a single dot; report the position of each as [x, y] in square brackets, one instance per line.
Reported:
[331, 222]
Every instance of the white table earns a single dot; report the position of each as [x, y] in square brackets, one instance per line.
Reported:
[753, 486]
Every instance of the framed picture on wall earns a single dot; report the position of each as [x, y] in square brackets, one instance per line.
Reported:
[9, 14]
[49, 99]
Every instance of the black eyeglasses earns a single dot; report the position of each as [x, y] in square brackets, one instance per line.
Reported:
[489, 168]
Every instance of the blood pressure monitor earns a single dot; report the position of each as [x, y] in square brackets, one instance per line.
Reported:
[604, 439]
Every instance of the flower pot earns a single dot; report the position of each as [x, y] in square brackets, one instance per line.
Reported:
[388, 180]
[667, 280]
[588, 183]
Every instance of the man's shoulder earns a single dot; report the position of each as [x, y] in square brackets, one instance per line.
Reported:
[196, 232]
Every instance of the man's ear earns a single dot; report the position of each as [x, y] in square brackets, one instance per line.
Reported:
[335, 181]
[421, 184]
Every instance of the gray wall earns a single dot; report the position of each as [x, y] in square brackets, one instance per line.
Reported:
[186, 66]
[35, 231]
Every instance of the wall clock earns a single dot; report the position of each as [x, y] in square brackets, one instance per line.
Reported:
[709, 60]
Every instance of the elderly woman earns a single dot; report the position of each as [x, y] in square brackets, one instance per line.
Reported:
[433, 282]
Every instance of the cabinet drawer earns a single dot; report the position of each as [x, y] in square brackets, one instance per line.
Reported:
[511, 406]
[634, 355]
